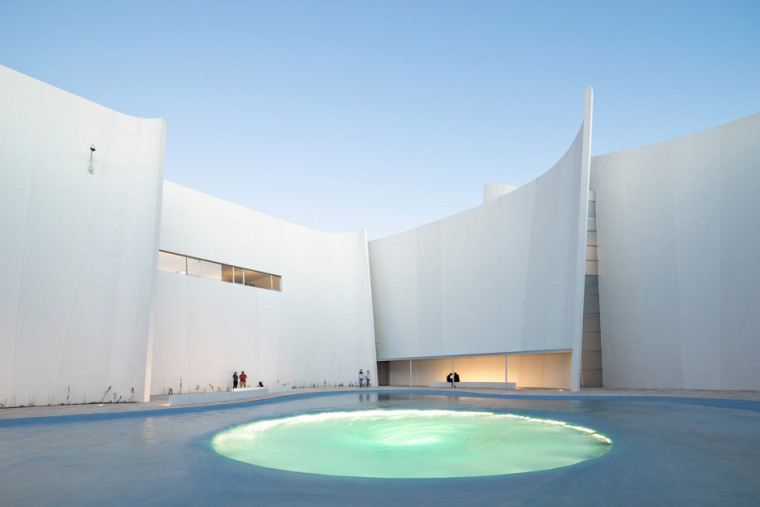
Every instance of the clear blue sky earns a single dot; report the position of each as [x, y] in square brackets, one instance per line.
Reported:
[385, 115]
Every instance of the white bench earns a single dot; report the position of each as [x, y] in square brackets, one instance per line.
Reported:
[247, 393]
[487, 385]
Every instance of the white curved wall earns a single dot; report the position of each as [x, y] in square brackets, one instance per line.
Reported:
[679, 247]
[503, 277]
[318, 330]
[78, 250]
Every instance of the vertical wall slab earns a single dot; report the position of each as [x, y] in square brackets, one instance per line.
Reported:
[78, 249]
[504, 277]
[317, 331]
[678, 249]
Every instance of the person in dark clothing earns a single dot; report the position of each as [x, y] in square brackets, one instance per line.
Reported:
[234, 380]
[456, 377]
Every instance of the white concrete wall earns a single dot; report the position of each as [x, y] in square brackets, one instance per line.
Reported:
[679, 246]
[317, 330]
[77, 250]
[506, 276]
[493, 191]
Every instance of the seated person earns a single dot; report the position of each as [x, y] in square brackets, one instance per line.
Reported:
[448, 377]
[456, 377]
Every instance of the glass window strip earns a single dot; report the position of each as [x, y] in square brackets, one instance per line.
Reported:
[186, 265]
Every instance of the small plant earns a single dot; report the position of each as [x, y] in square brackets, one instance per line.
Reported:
[197, 388]
[68, 395]
[132, 396]
[180, 386]
[105, 394]
[50, 399]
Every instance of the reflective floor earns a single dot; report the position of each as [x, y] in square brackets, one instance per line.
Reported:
[667, 451]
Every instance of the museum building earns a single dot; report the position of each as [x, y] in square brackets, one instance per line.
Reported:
[635, 269]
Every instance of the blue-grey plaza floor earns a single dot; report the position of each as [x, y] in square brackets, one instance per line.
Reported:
[666, 451]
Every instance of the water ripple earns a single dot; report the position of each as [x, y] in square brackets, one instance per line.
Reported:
[411, 443]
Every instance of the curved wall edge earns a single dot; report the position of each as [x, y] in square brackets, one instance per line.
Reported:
[85, 315]
[506, 275]
[78, 247]
[317, 332]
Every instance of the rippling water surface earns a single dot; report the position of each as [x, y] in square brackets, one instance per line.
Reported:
[665, 452]
[411, 443]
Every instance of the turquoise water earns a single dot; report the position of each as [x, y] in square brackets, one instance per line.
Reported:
[666, 451]
[411, 444]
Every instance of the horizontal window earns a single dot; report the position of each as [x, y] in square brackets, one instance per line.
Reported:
[227, 273]
[193, 266]
[185, 265]
[172, 263]
[211, 270]
[258, 279]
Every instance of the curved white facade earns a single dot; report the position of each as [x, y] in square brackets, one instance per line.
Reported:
[86, 316]
[502, 278]
[78, 250]
[679, 247]
[317, 331]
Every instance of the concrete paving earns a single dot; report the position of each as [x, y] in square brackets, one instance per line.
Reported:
[161, 402]
[670, 447]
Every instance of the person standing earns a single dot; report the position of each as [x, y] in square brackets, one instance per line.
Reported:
[234, 380]
[367, 378]
[361, 378]
[243, 378]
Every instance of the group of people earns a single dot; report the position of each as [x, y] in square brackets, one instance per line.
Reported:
[364, 377]
[452, 377]
[241, 380]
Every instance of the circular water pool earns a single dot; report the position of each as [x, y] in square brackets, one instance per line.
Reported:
[680, 451]
[411, 444]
